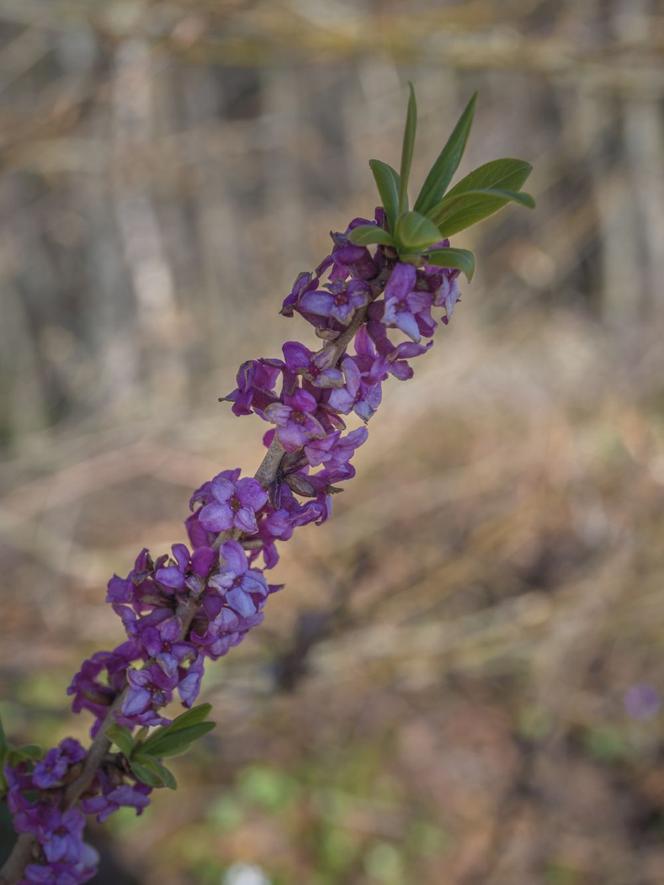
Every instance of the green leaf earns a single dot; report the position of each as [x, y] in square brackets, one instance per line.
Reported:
[387, 182]
[30, 751]
[122, 738]
[190, 717]
[415, 231]
[153, 773]
[174, 743]
[446, 165]
[457, 212]
[184, 723]
[366, 234]
[506, 174]
[462, 259]
[3, 737]
[407, 150]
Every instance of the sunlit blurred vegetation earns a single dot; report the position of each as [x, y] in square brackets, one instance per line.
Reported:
[438, 696]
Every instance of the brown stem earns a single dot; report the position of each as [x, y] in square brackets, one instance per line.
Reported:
[18, 860]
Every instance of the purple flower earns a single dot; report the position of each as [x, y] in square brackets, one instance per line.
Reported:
[189, 685]
[243, 588]
[231, 605]
[395, 356]
[94, 695]
[113, 796]
[219, 634]
[347, 259]
[82, 870]
[295, 419]
[174, 576]
[302, 361]
[441, 282]
[362, 391]
[233, 505]
[163, 643]
[61, 835]
[405, 308]
[330, 309]
[292, 514]
[304, 283]
[124, 589]
[27, 815]
[50, 771]
[444, 285]
[340, 301]
[149, 690]
[152, 585]
[185, 571]
[255, 391]
[335, 449]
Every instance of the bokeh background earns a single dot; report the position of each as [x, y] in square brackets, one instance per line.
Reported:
[461, 682]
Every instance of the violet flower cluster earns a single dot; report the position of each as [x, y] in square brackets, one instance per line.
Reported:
[375, 311]
[195, 604]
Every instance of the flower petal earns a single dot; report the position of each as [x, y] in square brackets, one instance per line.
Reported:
[222, 489]
[234, 558]
[245, 519]
[401, 281]
[251, 493]
[216, 517]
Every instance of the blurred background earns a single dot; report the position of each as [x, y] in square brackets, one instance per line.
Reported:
[461, 683]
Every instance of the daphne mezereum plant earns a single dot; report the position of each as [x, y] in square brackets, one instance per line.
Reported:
[199, 601]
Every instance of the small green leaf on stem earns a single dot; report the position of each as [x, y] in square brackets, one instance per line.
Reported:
[462, 259]
[153, 773]
[366, 234]
[387, 182]
[415, 231]
[176, 742]
[407, 150]
[122, 738]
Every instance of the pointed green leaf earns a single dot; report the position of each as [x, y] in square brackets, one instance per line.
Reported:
[190, 717]
[145, 774]
[184, 720]
[387, 182]
[122, 738]
[366, 234]
[446, 165]
[462, 259]
[415, 231]
[505, 173]
[459, 211]
[30, 751]
[174, 743]
[153, 773]
[141, 734]
[407, 150]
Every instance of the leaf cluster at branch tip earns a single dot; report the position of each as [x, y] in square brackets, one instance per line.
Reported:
[417, 235]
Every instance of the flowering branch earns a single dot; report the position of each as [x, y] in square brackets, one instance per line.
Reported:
[202, 599]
